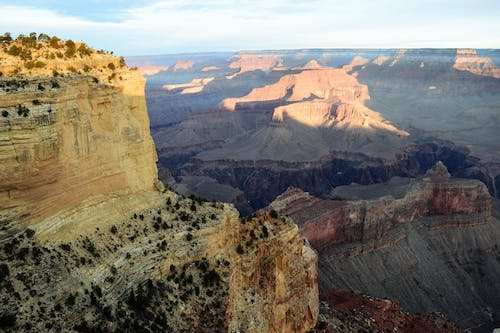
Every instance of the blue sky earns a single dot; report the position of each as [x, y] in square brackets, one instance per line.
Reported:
[138, 27]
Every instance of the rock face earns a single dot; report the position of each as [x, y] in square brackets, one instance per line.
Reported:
[254, 61]
[90, 240]
[469, 60]
[432, 244]
[310, 118]
[179, 265]
[346, 311]
[274, 287]
[63, 139]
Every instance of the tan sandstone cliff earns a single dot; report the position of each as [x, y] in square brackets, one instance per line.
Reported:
[90, 241]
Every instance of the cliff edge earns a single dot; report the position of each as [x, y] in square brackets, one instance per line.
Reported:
[91, 241]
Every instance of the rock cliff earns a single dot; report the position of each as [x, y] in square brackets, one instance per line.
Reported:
[347, 311]
[91, 241]
[432, 244]
[67, 137]
[469, 60]
[180, 265]
[248, 62]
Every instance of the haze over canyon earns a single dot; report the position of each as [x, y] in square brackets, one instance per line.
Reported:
[344, 141]
[313, 190]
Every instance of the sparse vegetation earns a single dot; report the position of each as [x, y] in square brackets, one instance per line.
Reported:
[30, 233]
[23, 111]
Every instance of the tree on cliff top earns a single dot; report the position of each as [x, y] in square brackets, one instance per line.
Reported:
[6, 38]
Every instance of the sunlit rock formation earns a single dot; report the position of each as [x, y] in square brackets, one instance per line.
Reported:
[430, 243]
[91, 241]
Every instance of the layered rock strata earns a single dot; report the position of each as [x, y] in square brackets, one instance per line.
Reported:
[180, 265]
[346, 311]
[66, 138]
[432, 244]
[90, 240]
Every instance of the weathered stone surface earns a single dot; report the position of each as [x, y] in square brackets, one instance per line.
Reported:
[79, 139]
[469, 60]
[433, 248]
[177, 265]
[91, 241]
[347, 311]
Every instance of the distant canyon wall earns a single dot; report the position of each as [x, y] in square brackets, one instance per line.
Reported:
[433, 248]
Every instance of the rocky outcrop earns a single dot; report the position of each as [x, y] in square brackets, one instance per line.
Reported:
[468, 60]
[274, 287]
[347, 311]
[179, 265]
[328, 84]
[183, 65]
[64, 139]
[435, 232]
[249, 62]
[367, 221]
[91, 241]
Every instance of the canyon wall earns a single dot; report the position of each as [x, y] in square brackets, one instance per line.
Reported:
[64, 139]
[431, 243]
[91, 241]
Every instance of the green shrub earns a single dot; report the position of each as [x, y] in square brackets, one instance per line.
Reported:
[7, 320]
[23, 111]
[43, 38]
[30, 232]
[6, 38]
[54, 42]
[29, 65]
[70, 48]
[65, 247]
[70, 301]
[14, 50]
[84, 50]
[4, 271]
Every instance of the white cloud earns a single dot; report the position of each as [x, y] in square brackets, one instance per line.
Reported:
[192, 25]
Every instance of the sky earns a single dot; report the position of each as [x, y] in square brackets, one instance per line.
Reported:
[147, 27]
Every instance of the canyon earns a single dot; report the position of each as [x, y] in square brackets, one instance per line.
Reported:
[431, 243]
[386, 159]
[90, 239]
[316, 119]
[360, 189]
